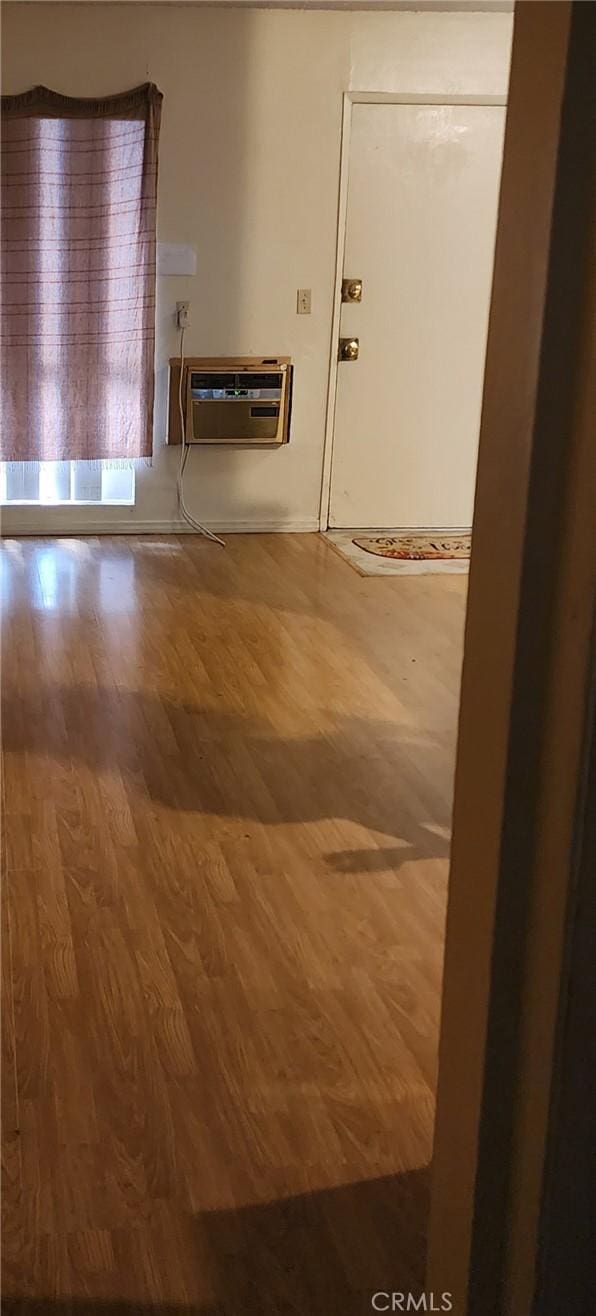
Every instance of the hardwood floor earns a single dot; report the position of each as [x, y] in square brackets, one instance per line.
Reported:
[227, 788]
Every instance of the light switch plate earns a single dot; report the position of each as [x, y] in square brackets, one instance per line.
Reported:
[303, 301]
[176, 258]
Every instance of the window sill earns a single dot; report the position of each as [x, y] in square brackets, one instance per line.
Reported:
[71, 502]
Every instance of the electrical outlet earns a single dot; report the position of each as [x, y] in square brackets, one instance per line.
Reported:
[303, 301]
[183, 314]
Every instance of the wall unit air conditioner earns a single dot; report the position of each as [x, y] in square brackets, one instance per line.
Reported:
[245, 401]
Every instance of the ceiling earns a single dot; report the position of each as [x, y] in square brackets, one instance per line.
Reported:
[465, 6]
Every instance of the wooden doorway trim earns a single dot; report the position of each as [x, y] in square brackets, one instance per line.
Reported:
[525, 682]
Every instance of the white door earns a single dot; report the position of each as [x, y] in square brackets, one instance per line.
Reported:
[421, 220]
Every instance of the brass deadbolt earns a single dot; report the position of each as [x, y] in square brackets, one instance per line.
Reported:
[351, 290]
[349, 349]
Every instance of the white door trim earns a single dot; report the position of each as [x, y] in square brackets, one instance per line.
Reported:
[351, 98]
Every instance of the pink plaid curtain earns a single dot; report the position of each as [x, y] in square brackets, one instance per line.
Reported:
[79, 180]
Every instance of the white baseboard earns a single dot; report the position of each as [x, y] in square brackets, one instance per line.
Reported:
[400, 530]
[14, 526]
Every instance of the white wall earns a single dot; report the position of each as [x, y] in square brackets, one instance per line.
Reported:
[249, 170]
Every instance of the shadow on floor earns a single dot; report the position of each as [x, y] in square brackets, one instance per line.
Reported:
[320, 1254]
[197, 759]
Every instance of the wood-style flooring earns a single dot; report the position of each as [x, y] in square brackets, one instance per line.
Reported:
[227, 790]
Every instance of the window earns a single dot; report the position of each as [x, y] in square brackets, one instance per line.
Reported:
[52, 484]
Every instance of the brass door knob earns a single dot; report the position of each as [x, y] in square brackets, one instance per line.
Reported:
[349, 349]
[351, 290]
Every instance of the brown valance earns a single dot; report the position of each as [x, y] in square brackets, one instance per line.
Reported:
[41, 102]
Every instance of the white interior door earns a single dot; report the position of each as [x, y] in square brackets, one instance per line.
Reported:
[420, 230]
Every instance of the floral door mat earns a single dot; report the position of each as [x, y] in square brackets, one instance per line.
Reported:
[397, 553]
[416, 548]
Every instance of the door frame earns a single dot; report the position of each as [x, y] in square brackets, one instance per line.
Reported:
[514, 1129]
[351, 98]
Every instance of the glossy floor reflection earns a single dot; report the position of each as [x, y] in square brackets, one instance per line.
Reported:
[228, 780]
